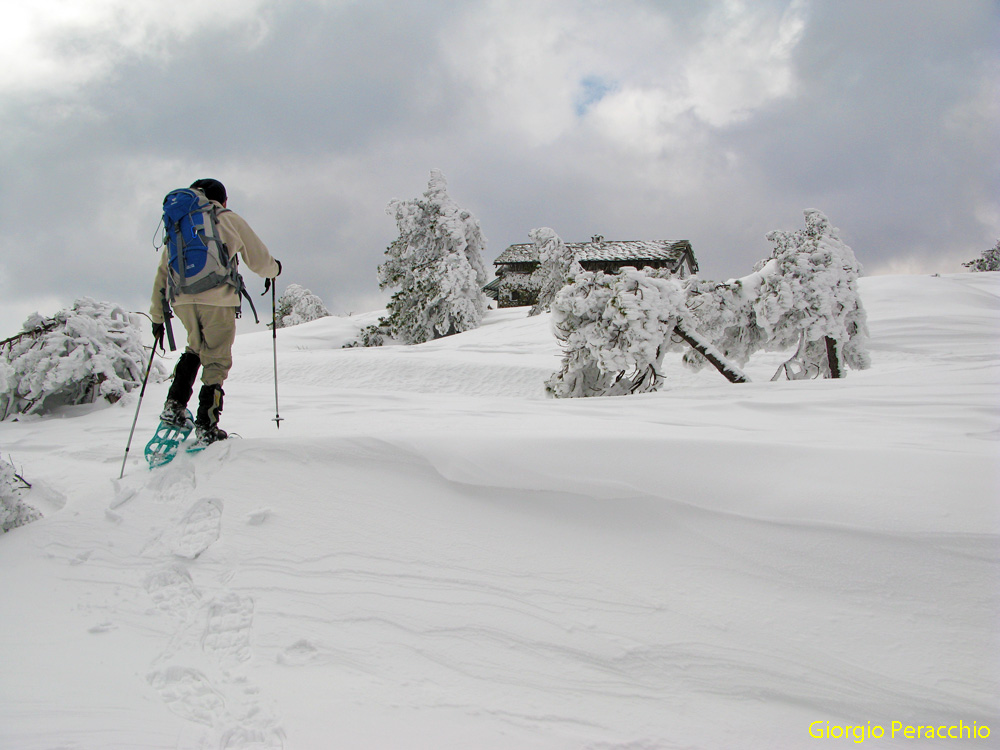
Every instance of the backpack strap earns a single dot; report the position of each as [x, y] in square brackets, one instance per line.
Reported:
[242, 292]
[167, 315]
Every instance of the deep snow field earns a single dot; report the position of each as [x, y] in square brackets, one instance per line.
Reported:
[429, 554]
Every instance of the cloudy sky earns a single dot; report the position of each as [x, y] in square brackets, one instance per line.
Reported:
[712, 121]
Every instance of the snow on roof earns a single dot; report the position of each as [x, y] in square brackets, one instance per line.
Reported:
[604, 250]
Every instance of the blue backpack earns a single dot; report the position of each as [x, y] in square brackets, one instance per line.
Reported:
[198, 259]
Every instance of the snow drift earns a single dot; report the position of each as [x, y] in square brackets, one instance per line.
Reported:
[430, 554]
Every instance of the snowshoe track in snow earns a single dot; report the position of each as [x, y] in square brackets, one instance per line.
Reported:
[253, 739]
[175, 482]
[198, 675]
[173, 591]
[227, 634]
[199, 528]
[189, 694]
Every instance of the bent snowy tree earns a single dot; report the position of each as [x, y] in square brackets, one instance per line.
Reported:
[615, 329]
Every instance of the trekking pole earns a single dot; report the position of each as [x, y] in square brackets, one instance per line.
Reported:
[142, 392]
[274, 340]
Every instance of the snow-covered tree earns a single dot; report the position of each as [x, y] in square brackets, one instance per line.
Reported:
[436, 264]
[299, 305]
[14, 511]
[89, 351]
[724, 314]
[808, 298]
[988, 261]
[556, 266]
[615, 329]
[804, 296]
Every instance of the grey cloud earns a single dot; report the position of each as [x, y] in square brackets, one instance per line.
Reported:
[869, 137]
[318, 123]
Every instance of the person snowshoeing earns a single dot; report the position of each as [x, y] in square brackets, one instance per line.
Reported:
[209, 317]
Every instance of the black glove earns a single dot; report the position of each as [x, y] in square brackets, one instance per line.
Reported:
[158, 331]
[267, 282]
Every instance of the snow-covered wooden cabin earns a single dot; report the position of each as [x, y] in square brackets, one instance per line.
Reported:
[517, 283]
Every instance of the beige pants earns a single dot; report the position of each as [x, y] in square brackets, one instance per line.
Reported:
[211, 331]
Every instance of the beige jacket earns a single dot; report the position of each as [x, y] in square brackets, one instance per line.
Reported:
[241, 241]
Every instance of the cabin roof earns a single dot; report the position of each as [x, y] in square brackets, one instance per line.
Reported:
[604, 250]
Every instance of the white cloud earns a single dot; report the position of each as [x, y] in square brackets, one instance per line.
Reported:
[643, 120]
[629, 71]
[744, 60]
[59, 45]
[517, 59]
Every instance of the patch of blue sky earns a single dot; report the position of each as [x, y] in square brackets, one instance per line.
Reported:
[592, 90]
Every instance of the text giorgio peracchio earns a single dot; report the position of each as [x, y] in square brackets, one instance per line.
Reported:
[858, 733]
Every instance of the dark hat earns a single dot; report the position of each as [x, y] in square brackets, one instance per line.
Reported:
[213, 189]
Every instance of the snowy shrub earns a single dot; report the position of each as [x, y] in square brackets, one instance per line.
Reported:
[613, 329]
[299, 305]
[989, 261]
[13, 510]
[92, 350]
[437, 266]
[373, 335]
[556, 266]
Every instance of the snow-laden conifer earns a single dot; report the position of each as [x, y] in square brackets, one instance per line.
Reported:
[988, 261]
[298, 305]
[92, 350]
[808, 298]
[556, 266]
[804, 296]
[373, 335]
[436, 265]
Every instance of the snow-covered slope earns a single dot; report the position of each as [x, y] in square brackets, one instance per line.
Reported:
[430, 554]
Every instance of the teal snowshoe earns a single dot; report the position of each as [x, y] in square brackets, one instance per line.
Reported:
[163, 446]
